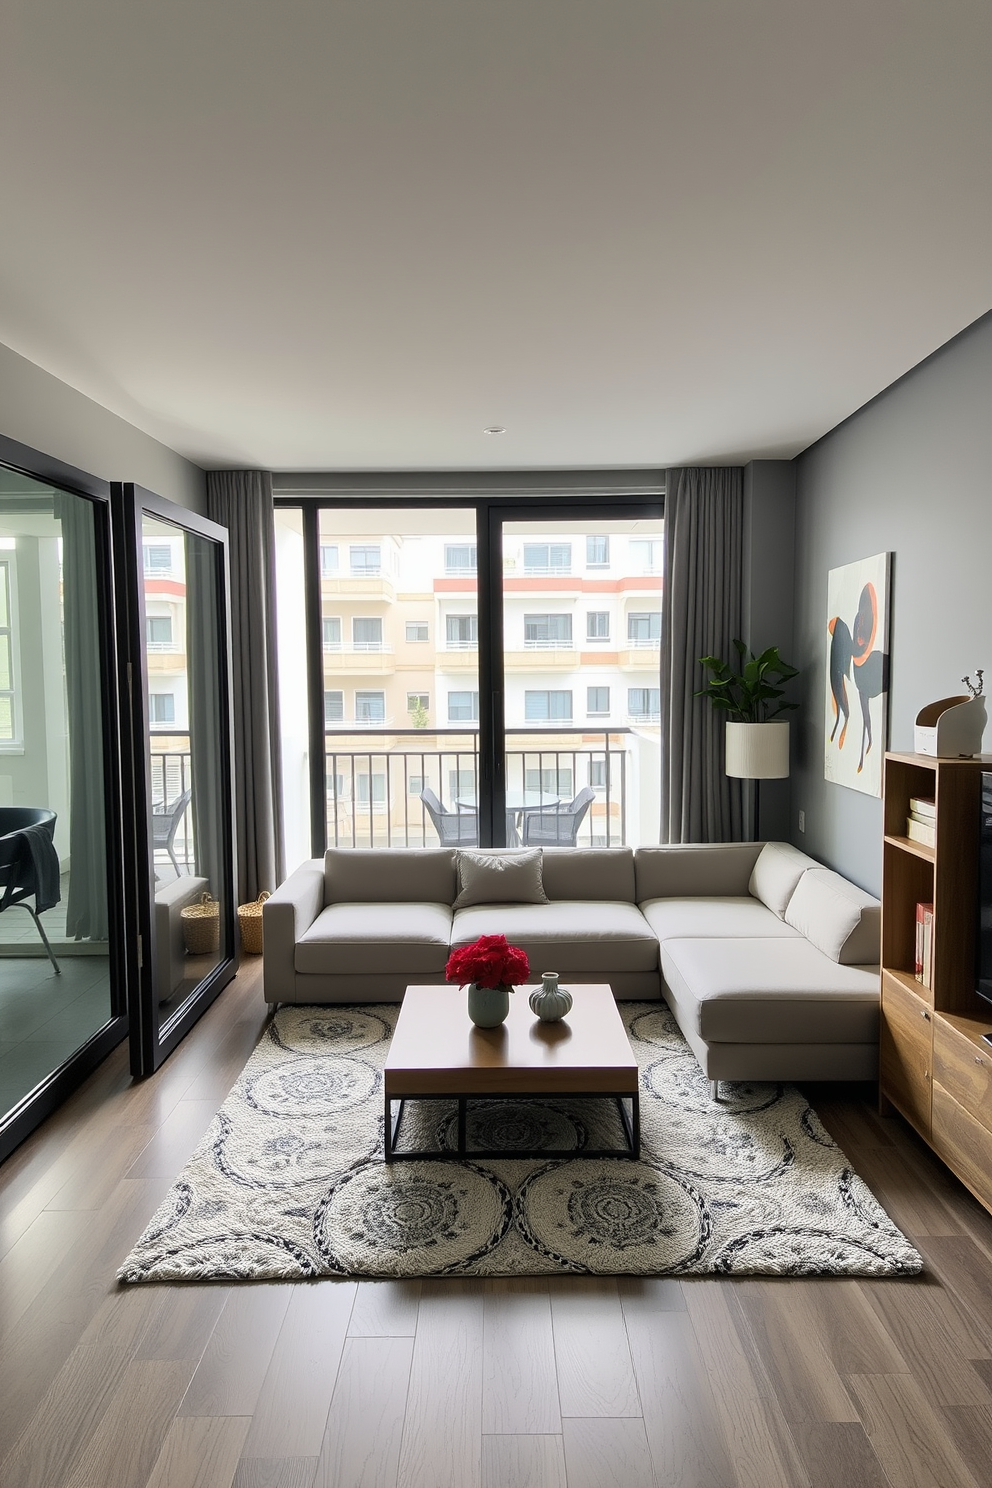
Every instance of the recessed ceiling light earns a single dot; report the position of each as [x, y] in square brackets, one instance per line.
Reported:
[495, 429]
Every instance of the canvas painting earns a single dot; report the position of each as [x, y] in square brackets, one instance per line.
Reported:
[857, 642]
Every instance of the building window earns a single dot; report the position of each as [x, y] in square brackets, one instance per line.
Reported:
[418, 700]
[547, 631]
[463, 707]
[547, 558]
[461, 787]
[333, 707]
[598, 625]
[416, 630]
[545, 707]
[644, 629]
[414, 785]
[162, 707]
[366, 633]
[550, 782]
[158, 630]
[370, 790]
[645, 555]
[328, 560]
[597, 774]
[597, 552]
[597, 700]
[8, 713]
[461, 632]
[459, 558]
[158, 558]
[366, 560]
[335, 788]
[370, 707]
[644, 702]
[331, 628]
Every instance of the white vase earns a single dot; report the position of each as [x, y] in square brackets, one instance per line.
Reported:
[549, 1001]
[758, 751]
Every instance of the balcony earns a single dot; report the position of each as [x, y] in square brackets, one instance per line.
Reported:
[555, 758]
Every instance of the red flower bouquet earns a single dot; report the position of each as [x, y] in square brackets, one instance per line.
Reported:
[490, 962]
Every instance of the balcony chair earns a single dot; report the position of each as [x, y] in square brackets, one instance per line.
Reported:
[29, 864]
[559, 826]
[165, 825]
[454, 828]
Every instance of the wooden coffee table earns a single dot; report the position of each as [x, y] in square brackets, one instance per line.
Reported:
[437, 1053]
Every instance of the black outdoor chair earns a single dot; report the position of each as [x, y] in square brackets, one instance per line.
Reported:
[29, 865]
[165, 825]
[454, 828]
[558, 826]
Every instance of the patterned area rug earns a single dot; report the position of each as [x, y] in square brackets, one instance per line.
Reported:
[289, 1181]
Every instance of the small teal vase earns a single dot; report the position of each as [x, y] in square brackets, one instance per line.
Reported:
[549, 1001]
[488, 1007]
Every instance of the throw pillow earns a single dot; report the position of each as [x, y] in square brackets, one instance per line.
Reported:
[776, 873]
[500, 878]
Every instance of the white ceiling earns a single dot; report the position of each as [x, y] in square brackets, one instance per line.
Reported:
[350, 234]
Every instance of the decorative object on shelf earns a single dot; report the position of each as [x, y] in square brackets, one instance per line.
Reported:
[952, 728]
[549, 1001]
[489, 967]
[858, 651]
[201, 926]
[250, 924]
[757, 740]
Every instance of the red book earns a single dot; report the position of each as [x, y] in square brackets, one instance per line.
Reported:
[918, 967]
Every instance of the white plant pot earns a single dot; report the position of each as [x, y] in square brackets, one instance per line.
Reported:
[758, 751]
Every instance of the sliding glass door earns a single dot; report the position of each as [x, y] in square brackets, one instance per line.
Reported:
[177, 616]
[477, 672]
[63, 974]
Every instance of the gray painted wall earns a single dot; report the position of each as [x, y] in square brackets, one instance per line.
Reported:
[909, 474]
[39, 410]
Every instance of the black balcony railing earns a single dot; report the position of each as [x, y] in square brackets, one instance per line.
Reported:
[374, 794]
[171, 775]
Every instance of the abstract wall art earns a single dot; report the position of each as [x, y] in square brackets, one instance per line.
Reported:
[857, 673]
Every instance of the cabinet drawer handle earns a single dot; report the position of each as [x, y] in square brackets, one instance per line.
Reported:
[924, 1013]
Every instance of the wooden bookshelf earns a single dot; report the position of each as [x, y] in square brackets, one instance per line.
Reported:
[935, 1067]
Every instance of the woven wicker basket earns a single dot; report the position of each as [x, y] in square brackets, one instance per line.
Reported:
[250, 921]
[201, 926]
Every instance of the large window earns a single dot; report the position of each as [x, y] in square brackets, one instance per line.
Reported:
[461, 632]
[463, 707]
[547, 558]
[542, 631]
[546, 707]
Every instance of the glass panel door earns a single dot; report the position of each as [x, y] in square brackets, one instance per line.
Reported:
[581, 631]
[183, 776]
[62, 978]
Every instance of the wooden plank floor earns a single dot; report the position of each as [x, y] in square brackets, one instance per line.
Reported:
[585, 1383]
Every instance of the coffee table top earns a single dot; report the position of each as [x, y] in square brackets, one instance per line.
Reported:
[437, 1050]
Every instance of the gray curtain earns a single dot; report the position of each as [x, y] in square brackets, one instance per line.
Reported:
[701, 615]
[241, 501]
[206, 710]
[86, 904]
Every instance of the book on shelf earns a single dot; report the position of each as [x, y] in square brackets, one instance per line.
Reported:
[922, 806]
[923, 959]
[924, 832]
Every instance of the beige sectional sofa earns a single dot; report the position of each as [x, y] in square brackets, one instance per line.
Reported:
[768, 961]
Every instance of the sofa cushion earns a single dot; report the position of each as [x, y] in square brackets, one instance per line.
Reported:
[777, 871]
[589, 873]
[774, 991]
[499, 878]
[372, 938]
[838, 918]
[566, 935]
[693, 868]
[397, 875]
[738, 916]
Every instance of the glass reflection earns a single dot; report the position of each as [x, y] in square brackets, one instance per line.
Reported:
[185, 759]
[55, 975]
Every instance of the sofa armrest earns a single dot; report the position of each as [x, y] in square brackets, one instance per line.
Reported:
[286, 916]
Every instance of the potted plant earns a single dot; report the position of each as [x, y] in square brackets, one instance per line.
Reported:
[751, 696]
